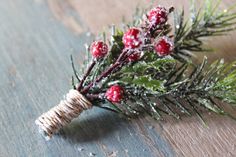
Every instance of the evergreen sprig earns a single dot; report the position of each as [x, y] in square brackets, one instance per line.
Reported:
[164, 85]
[206, 22]
[183, 93]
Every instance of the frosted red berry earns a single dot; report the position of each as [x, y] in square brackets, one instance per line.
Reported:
[164, 46]
[158, 16]
[98, 49]
[134, 57]
[115, 93]
[132, 38]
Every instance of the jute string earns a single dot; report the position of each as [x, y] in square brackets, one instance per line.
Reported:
[62, 114]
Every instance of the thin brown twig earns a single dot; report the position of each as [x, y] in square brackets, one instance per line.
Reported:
[107, 72]
[86, 74]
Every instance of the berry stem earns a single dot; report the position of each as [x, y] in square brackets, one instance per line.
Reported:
[86, 74]
[117, 63]
[93, 96]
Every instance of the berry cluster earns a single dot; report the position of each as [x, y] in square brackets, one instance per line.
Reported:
[134, 42]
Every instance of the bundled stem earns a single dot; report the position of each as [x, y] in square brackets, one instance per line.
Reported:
[160, 79]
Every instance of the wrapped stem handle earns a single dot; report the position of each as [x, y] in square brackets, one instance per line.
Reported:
[62, 114]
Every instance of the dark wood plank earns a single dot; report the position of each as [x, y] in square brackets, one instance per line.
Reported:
[36, 39]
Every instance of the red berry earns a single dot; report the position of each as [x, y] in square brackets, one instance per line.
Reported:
[164, 46]
[99, 49]
[132, 38]
[134, 57]
[158, 16]
[115, 93]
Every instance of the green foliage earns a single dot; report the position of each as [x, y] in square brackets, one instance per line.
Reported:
[225, 88]
[141, 67]
[116, 46]
[186, 93]
[146, 82]
[144, 74]
[208, 21]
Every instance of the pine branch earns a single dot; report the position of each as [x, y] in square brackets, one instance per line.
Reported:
[192, 93]
[207, 22]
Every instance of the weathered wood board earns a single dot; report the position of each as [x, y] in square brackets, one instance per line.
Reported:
[36, 40]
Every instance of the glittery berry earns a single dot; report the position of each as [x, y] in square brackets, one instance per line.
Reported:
[158, 16]
[98, 49]
[132, 38]
[134, 57]
[115, 93]
[164, 46]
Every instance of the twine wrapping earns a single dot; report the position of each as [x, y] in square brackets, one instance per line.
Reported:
[62, 114]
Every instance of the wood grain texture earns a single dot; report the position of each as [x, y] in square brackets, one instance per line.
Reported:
[37, 38]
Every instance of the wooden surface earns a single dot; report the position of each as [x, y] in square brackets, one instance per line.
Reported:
[36, 39]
